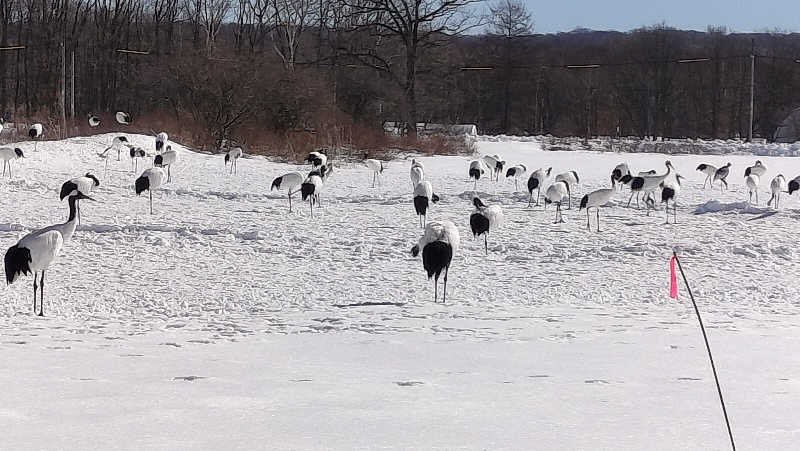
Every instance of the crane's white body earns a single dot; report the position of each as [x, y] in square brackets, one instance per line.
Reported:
[417, 173]
[709, 172]
[155, 178]
[477, 168]
[162, 140]
[290, 182]
[596, 199]
[519, 171]
[752, 181]
[495, 164]
[758, 169]
[571, 179]
[376, 166]
[233, 156]
[123, 118]
[168, 158]
[722, 175]
[777, 186]
[539, 178]
[557, 193]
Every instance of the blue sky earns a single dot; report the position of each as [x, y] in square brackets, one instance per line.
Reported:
[623, 15]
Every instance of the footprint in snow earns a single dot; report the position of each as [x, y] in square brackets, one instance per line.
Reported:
[188, 378]
[171, 344]
[409, 383]
[595, 381]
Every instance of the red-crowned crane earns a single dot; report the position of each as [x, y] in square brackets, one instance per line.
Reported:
[37, 250]
[596, 199]
[166, 159]
[519, 171]
[232, 156]
[7, 154]
[535, 182]
[777, 186]
[485, 219]
[377, 167]
[84, 185]
[556, 194]
[721, 175]
[438, 244]
[669, 193]
[476, 170]
[150, 180]
[571, 179]
[709, 171]
[423, 197]
[290, 182]
[123, 118]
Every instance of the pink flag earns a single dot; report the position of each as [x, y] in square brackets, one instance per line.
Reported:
[673, 279]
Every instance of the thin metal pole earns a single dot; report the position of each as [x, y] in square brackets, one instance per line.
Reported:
[63, 95]
[708, 348]
[752, 93]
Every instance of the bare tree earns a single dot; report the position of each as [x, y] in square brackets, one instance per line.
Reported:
[412, 25]
[291, 19]
[510, 20]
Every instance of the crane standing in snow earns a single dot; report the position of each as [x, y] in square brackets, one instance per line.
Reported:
[35, 132]
[438, 244]
[721, 175]
[232, 156]
[517, 172]
[150, 180]
[669, 192]
[495, 163]
[752, 181]
[777, 186]
[535, 182]
[485, 219]
[571, 179]
[291, 182]
[376, 166]
[37, 250]
[556, 194]
[7, 154]
[709, 172]
[166, 159]
[597, 199]
[423, 197]
[476, 170]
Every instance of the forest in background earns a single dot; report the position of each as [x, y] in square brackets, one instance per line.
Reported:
[294, 74]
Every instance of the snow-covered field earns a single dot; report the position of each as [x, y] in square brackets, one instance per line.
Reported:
[224, 322]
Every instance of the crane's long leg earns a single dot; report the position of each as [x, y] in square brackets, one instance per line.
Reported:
[435, 289]
[374, 176]
[4, 168]
[588, 227]
[756, 196]
[598, 219]
[630, 199]
[486, 243]
[290, 201]
[538, 192]
[151, 201]
[311, 204]
[444, 294]
[41, 293]
[35, 274]
[530, 198]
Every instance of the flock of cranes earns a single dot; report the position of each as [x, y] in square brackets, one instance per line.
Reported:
[440, 240]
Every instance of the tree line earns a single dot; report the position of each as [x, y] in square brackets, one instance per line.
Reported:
[279, 73]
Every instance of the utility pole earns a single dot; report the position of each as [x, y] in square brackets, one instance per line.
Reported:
[72, 88]
[752, 87]
[63, 103]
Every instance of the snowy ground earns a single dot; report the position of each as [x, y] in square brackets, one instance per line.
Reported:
[222, 321]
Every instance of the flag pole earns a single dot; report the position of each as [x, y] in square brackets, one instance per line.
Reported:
[708, 348]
